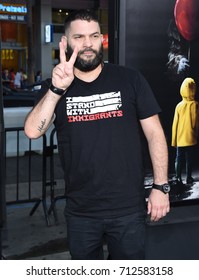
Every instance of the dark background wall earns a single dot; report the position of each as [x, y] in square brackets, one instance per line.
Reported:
[141, 38]
[144, 43]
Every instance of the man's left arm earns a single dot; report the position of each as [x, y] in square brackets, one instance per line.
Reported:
[158, 202]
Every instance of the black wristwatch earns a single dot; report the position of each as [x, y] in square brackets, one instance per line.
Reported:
[165, 188]
[57, 91]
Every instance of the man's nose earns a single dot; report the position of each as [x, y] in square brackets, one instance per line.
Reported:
[88, 42]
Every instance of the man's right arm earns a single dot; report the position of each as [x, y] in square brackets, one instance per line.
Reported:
[41, 116]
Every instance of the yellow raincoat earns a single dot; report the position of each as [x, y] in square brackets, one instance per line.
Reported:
[186, 119]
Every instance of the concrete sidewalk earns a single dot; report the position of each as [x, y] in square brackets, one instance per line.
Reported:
[29, 237]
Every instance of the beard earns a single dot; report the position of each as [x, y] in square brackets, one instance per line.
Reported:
[86, 65]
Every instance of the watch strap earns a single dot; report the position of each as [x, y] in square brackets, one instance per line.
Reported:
[165, 188]
[57, 91]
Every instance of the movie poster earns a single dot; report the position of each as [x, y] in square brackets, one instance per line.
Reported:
[161, 39]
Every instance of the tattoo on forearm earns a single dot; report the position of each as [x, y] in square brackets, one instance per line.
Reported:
[41, 127]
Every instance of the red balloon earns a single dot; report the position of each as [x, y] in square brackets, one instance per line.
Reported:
[186, 14]
[105, 41]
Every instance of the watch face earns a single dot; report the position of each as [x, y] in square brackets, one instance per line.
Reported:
[166, 188]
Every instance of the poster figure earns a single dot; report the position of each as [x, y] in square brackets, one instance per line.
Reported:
[183, 29]
[178, 57]
[185, 129]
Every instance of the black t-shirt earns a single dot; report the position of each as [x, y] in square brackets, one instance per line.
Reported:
[98, 133]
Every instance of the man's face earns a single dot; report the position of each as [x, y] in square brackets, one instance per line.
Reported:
[87, 37]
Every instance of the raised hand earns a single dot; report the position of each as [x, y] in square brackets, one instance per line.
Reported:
[63, 73]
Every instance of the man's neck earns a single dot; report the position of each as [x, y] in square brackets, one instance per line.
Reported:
[88, 76]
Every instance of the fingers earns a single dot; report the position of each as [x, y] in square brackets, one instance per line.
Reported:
[62, 49]
[62, 52]
[156, 216]
[158, 213]
[73, 56]
[149, 208]
[158, 205]
[155, 213]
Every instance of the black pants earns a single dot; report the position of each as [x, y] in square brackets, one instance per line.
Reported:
[124, 236]
[184, 153]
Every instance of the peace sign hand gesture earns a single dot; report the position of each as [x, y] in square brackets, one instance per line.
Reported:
[63, 73]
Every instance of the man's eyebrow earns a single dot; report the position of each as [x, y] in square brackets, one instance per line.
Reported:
[81, 34]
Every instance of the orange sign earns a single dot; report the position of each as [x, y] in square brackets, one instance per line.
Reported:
[105, 41]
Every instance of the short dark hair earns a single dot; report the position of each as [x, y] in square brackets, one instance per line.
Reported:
[88, 15]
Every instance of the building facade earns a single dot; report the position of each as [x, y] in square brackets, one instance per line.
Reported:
[30, 31]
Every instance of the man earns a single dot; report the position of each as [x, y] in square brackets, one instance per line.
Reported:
[97, 110]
